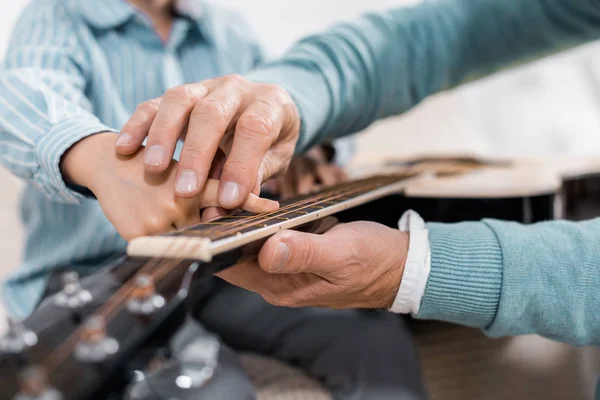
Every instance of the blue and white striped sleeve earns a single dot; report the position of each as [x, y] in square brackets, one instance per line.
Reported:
[43, 107]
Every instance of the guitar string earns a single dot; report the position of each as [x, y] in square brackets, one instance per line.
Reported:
[266, 218]
[163, 269]
[246, 219]
[351, 192]
[223, 231]
[56, 357]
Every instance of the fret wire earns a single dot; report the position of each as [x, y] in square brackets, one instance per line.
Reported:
[282, 209]
[246, 218]
[208, 231]
[363, 185]
[125, 289]
[163, 268]
[353, 189]
[291, 212]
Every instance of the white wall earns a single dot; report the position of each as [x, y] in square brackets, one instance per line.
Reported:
[279, 23]
[8, 17]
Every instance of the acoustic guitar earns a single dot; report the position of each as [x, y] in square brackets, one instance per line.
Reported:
[80, 342]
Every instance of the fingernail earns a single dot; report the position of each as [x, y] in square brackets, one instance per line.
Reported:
[124, 139]
[187, 182]
[229, 193]
[282, 253]
[155, 155]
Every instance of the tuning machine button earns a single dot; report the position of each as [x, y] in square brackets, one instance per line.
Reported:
[95, 344]
[72, 295]
[144, 300]
[33, 383]
[183, 377]
[18, 338]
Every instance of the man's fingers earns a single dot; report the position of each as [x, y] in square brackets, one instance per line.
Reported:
[256, 130]
[292, 252]
[172, 117]
[289, 290]
[136, 129]
[209, 121]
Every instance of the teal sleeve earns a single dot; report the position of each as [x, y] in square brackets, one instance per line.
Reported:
[513, 279]
[385, 63]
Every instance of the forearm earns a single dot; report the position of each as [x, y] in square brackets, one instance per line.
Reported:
[37, 127]
[43, 107]
[513, 279]
[384, 64]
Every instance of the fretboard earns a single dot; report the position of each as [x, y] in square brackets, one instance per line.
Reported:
[205, 240]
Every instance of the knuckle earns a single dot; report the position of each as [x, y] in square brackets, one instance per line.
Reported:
[143, 112]
[149, 106]
[192, 150]
[236, 79]
[291, 111]
[277, 93]
[183, 95]
[256, 124]
[238, 171]
[212, 112]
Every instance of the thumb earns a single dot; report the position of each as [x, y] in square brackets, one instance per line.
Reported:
[292, 252]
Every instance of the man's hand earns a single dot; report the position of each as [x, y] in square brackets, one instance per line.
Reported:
[256, 125]
[306, 173]
[355, 265]
[135, 202]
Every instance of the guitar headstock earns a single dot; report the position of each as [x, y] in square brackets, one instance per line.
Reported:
[81, 338]
[80, 341]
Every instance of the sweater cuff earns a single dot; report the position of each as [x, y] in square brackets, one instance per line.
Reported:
[465, 281]
[50, 149]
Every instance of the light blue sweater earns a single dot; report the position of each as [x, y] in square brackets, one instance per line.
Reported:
[503, 277]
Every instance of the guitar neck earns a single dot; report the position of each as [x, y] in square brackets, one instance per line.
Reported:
[204, 241]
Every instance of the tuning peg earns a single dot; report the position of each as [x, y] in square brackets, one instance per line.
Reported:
[143, 299]
[95, 344]
[18, 338]
[72, 295]
[33, 384]
[203, 350]
[183, 378]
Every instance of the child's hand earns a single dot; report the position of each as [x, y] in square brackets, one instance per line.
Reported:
[135, 202]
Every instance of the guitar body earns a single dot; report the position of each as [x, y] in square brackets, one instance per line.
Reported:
[467, 188]
[449, 189]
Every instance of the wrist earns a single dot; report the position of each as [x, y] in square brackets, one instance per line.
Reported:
[81, 163]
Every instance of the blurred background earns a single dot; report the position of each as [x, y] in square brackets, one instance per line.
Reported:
[547, 107]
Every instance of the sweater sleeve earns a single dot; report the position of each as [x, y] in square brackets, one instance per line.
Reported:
[385, 63]
[513, 279]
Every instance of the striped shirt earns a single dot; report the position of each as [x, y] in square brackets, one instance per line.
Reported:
[79, 67]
